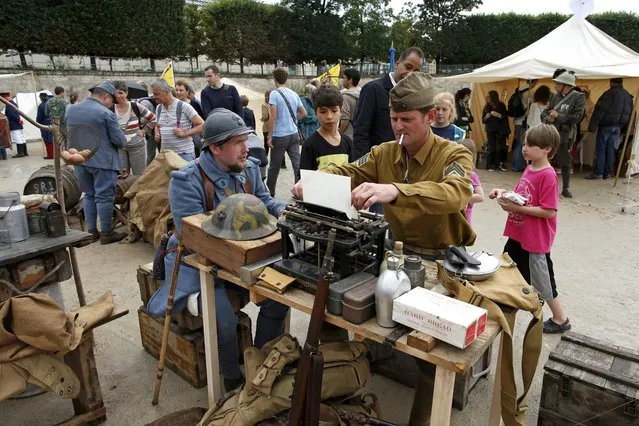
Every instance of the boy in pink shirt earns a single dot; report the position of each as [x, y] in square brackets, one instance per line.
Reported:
[531, 227]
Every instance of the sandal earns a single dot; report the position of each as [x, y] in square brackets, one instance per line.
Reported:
[551, 327]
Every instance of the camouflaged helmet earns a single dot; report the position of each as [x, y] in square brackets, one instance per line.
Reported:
[221, 125]
[240, 217]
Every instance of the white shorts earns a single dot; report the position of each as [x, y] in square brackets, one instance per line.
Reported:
[17, 137]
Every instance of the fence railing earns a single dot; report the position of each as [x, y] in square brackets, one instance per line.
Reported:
[454, 69]
[10, 60]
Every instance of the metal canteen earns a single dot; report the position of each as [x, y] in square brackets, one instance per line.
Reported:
[489, 265]
[391, 284]
[14, 226]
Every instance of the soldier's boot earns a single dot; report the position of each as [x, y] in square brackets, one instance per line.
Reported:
[95, 235]
[423, 399]
[111, 237]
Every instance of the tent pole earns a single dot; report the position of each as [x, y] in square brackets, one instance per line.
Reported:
[631, 124]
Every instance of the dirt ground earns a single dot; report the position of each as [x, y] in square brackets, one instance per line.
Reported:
[595, 260]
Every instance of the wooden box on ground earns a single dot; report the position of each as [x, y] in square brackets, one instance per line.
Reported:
[590, 381]
[185, 351]
[148, 286]
[402, 368]
[230, 255]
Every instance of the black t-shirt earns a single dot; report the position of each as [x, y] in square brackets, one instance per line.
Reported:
[317, 153]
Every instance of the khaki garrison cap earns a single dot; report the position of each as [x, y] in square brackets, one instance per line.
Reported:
[415, 91]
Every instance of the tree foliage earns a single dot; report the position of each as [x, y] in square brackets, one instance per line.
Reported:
[94, 27]
[366, 29]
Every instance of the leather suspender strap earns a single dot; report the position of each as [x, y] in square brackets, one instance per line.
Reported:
[209, 188]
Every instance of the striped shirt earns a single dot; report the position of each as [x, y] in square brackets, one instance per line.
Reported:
[130, 124]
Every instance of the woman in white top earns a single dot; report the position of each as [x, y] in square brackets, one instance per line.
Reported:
[133, 156]
[540, 101]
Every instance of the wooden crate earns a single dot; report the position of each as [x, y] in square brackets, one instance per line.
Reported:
[402, 368]
[590, 381]
[230, 255]
[148, 286]
[185, 352]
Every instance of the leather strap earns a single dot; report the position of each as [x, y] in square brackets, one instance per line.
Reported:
[397, 332]
[209, 188]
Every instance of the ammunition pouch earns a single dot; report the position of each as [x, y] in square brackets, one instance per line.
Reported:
[508, 289]
[270, 374]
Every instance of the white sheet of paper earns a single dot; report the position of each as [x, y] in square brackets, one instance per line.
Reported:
[328, 190]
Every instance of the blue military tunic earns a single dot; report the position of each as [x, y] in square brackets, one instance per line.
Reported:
[187, 198]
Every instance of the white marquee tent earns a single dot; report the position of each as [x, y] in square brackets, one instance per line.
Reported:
[575, 45]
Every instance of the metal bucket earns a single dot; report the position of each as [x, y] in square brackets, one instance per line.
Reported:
[13, 218]
[43, 182]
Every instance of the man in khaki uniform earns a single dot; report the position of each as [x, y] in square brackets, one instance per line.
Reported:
[423, 181]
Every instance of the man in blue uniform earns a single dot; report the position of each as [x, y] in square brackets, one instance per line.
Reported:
[90, 119]
[225, 162]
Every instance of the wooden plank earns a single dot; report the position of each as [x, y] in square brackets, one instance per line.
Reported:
[230, 255]
[442, 397]
[455, 359]
[82, 361]
[602, 346]
[609, 375]
[98, 414]
[214, 383]
[40, 244]
[421, 341]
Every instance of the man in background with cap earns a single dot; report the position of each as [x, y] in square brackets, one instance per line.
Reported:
[225, 167]
[612, 112]
[86, 121]
[425, 206]
[564, 111]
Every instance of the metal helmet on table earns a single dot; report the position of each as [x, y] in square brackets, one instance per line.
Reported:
[240, 217]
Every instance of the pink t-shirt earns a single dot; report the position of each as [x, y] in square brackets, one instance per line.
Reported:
[540, 188]
[474, 183]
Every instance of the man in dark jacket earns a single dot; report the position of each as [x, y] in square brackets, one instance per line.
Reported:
[15, 129]
[611, 113]
[43, 118]
[219, 95]
[372, 124]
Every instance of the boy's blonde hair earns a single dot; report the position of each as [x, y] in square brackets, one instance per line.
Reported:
[449, 100]
[543, 136]
[469, 144]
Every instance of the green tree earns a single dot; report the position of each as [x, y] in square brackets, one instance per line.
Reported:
[194, 33]
[236, 30]
[366, 29]
[438, 16]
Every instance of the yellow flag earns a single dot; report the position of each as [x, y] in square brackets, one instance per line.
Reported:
[167, 75]
[332, 74]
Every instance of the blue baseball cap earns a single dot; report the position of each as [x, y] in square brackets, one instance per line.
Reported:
[107, 87]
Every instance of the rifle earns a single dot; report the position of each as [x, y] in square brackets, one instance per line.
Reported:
[307, 391]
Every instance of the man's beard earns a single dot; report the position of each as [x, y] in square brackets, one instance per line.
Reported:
[236, 168]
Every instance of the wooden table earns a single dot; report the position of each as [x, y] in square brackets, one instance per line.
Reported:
[39, 244]
[448, 359]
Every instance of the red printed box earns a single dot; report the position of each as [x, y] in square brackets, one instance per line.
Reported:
[450, 320]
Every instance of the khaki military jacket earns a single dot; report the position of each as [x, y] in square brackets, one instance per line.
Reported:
[434, 189]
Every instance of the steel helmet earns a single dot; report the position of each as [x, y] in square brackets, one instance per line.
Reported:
[240, 217]
[221, 125]
[566, 77]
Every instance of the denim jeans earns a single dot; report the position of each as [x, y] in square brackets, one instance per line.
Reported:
[519, 164]
[286, 144]
[605, 150]
[270, 324]
[98, 186]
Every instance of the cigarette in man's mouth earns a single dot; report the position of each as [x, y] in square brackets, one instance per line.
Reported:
[401, 138]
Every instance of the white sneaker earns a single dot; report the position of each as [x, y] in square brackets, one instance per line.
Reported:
[192, 305]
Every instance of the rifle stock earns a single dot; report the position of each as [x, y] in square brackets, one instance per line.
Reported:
[308, 379]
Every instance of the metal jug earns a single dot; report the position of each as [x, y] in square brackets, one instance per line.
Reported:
[391, 284]
[13, 218]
